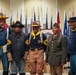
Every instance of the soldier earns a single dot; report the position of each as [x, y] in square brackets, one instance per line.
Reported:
[17, 49]
[37, 42]
[72, 45]
[4, 32]
[56, 51]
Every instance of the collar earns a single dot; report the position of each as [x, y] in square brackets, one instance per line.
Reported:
[73, 30]
[17, 34]
[33, 34]
[5, 26]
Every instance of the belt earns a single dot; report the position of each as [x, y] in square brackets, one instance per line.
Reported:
[33, 49]
[1, 46]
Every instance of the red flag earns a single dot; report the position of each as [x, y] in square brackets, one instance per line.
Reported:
[58, 18]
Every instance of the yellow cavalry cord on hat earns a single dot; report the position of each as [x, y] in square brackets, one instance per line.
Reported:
[33, 34]
[2, 16]
[35, 25]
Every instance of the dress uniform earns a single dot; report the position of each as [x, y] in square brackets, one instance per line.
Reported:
[72, 45]
[16, 48]
[37, 41]
[56, 51]
[4, 33]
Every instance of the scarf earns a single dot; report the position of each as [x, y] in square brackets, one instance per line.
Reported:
[34, 35]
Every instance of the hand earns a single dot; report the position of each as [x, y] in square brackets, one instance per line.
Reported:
[24, 58]
[9, 57]
[46, 63]
[62, 64]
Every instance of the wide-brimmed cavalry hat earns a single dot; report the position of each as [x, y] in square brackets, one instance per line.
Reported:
[72, 19]
[2, 16]
[36, 24]
[17, 24]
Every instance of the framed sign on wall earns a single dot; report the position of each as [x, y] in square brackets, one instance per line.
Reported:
[47, 32]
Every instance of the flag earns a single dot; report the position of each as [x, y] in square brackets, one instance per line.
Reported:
[51, 23]
[31, 25]
[21, 17]
[65, 24]
[68, 27]
[11, 19]
[58, 18]
[41, 19]
[26, 27]
[68, 30]
[46, 21]
[34, 16]
[5, 15]
[38, 15]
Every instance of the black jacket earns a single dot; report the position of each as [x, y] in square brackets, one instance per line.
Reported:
[16, 45]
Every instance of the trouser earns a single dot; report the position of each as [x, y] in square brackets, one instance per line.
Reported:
[17, 66]
[73, 65]
[57, 70]
[4, 62]
[36, 61]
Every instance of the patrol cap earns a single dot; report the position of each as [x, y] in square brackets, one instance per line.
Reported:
[2, 16]
[56, 25]
[35, 24]
[72, 19]
[17, 24]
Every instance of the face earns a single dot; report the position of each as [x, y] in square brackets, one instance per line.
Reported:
[17, 29]
[2, 21]
[72, 25]
[55, 30]
[35, 29]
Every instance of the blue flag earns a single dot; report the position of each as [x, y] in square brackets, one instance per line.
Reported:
[21, 17]
[31, 25]
[34, 16]
[11, 19]
[46, 21]
[51, 23]
[26, 27]
[65, 24]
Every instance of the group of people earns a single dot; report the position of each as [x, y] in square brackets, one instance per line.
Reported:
[15, 46]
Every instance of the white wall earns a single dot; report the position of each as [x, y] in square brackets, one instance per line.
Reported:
[5, 8]
[66, 5]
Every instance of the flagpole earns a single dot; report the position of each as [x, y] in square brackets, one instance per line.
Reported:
[38, 14]
[73, 11]
[22, 11]
[31, 20]
[17, 15]
[25, 21]
[0, 6]
[47, 18]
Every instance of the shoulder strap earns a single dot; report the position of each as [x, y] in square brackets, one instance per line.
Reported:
[41, 37]
[7, 33]
[50, 37]
[60, 36]
[29, 37]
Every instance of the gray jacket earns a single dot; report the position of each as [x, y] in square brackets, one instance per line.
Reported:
[56, 50]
